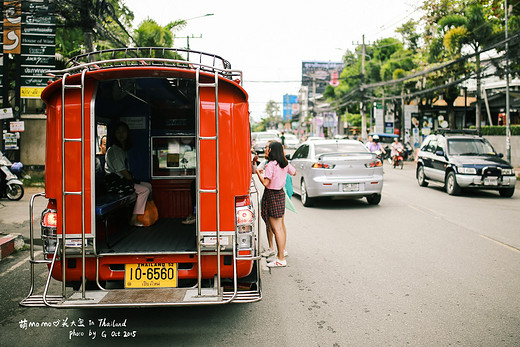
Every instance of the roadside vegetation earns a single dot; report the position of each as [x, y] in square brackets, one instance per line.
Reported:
[427, 59]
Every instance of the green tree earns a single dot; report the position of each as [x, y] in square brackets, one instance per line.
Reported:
[85, 25]
[410, 35]
[272, 109]
[495, 12]
[151, 34]
[469, 28]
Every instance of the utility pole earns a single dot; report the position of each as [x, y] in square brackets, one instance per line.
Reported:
[508, 120]
[361, 104]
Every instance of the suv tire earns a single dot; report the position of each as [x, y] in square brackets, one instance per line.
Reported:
[452, 187]
[421, 179]
[506, 192]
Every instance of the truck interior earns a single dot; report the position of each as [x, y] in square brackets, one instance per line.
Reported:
[160, 113]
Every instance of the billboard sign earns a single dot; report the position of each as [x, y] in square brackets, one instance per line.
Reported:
[290, 106]
[319, 75]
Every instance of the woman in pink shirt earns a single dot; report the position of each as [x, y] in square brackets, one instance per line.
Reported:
[273, 200]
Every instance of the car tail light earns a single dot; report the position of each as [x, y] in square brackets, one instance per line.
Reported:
[323, 166]
[375, 163]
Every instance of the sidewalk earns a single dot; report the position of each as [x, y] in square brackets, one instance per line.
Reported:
[14, 221]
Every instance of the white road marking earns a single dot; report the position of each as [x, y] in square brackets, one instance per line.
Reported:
[514, 249]
[20, 263]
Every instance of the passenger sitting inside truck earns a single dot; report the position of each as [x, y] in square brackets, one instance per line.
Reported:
[117, 163]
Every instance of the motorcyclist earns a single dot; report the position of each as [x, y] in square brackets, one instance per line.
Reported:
[395, 149]
[375, 146]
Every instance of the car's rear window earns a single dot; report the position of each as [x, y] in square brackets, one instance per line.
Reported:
[267, 136]
[340, 148]
[469, 147]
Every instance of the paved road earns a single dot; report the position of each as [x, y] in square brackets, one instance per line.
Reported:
[14, 215]
[423, 268]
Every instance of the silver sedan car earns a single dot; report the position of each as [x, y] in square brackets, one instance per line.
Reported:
[327, 168]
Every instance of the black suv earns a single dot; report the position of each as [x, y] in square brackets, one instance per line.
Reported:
[464, 161]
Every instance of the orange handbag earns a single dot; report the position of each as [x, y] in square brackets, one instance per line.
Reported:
[150, 215]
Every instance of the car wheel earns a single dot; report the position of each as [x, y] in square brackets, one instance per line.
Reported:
[306, 201]
[452, 186]
[421, 179]
[506, 192]
[374, 199]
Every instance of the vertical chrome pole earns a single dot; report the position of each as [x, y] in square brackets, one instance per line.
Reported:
[197, 176]
[218, 182]
[82, 161]
[63, 193]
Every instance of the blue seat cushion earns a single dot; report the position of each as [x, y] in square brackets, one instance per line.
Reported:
[107, 203]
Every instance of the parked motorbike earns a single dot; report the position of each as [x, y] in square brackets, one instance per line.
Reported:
[408, 152]
[10, 186]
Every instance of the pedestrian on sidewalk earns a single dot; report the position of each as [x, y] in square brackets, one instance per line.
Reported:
[273, 200]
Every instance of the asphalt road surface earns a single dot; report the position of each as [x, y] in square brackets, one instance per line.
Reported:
[423, 269]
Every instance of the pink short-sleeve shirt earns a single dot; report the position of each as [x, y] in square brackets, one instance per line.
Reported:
[277, 175]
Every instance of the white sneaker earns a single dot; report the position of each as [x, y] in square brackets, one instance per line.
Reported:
[268, 253]
[277, 263]
[285, 253]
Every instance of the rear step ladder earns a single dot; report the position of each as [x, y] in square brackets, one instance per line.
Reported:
[215, 191]
[80, 193]
[51, 300]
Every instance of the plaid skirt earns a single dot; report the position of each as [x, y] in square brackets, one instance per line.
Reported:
[273, 204]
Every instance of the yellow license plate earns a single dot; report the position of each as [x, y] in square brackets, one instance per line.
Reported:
[151, 275]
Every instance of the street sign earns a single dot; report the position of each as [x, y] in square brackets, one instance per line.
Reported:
[38, 46]
[35, 81]
[38, 50]
[28, 39]
[31, 92]
[30, 60]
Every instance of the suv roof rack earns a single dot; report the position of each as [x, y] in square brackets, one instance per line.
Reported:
[457, 132]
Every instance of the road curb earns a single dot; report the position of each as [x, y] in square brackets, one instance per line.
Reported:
[10, 243]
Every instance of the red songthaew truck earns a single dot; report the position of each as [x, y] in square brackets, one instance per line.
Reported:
[188, 117]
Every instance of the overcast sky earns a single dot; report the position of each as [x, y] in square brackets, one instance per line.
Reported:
[268, 40]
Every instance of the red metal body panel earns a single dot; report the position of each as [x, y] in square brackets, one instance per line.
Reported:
[234, 154]
[209, 267]
[54, 156]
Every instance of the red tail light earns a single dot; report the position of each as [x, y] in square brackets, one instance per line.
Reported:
[244, 216]
[241, 201]
[50, 219]
[322, 166]
[376, 163]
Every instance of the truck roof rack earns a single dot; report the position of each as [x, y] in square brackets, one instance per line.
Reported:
[150, 56]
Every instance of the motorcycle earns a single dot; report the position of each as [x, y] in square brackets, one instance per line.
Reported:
[398, 159]
[10, 186]
[379, 156]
